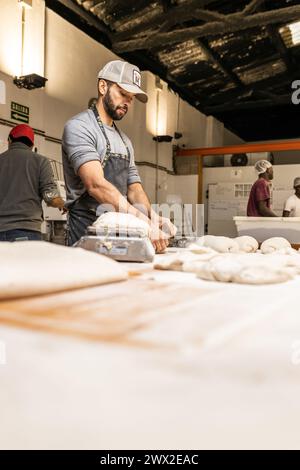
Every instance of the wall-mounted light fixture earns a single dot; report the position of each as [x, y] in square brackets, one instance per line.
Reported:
[30, 82]
[24, 80]
[162, 138]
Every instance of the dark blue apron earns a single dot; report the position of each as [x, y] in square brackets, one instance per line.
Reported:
[85, 210]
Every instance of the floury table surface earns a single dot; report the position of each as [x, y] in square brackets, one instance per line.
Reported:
[161, 361]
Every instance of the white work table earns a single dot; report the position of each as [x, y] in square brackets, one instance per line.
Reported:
[185, 364]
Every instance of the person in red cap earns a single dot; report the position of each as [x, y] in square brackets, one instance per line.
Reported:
[26, 178]
[22, 133]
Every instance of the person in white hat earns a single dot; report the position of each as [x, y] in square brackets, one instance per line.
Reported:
[259, 203]
[292, 204]
[98, 158]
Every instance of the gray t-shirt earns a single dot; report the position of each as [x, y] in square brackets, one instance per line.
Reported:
[25, 179]
[82, 142]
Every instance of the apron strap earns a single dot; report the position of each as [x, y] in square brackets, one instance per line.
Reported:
[108, 147]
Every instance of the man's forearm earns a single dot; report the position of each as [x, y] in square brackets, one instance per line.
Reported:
[264, 211]
[267, 213]
[138, 197]
[107, 193]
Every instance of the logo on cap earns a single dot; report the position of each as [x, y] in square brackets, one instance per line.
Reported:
[137, 78]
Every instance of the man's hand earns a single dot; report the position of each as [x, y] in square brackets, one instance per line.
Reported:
[167, 227]
[57, 202]
[158, 238]
[161, 229]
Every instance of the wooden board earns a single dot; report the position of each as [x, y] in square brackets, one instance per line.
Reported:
[105, 313]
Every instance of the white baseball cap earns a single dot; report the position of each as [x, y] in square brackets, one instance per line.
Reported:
[126, 75]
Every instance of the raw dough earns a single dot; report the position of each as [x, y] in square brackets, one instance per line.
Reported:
[247, 244]
[251, 268]
[200, 249]
[173, 261]
[261, 275]
[221, 244]
[114, 222]
[275, 244]
[33, 268]
[221, 268]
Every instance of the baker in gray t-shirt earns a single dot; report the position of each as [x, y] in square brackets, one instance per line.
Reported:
[26, 178]
[98, 158]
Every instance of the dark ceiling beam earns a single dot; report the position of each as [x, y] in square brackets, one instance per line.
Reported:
[236, 22]
[265, 94]
[214, 57]
[245, 105]
[112, 6]
[227, 97]
[82, 19]
[144, 62]
[198, 14]
[166, 4]
[179, 11]
[251, 7]
[80, 11]
[277, 40]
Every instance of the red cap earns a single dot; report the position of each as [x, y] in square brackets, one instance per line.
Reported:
[22, 130]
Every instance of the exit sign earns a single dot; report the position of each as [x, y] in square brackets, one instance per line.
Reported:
[18, 112]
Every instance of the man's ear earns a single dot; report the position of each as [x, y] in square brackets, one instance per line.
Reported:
[102, 87]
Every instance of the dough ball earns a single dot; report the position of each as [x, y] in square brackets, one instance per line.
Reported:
[247, 244]
[274, 244]
[221, 244]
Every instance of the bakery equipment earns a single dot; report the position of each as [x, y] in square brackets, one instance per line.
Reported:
[123, 244]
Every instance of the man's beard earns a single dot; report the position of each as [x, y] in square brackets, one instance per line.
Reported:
[111, 109]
